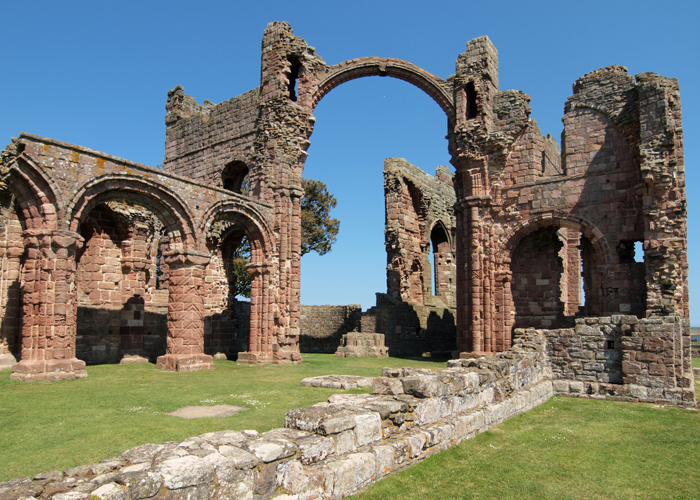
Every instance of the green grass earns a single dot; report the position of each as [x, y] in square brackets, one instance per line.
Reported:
[57, 425]
[564, 449]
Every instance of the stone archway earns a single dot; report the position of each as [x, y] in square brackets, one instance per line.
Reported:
[432, 85]
[45, 273]
[293, 81]
[548, 257]
[178, 257]
[233, 219]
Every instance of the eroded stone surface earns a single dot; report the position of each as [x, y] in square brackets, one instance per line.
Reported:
[207, 411]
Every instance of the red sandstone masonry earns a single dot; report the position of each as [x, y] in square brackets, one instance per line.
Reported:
[330, 450]
[618, 180]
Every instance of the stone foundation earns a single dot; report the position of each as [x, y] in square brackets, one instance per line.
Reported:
[624, 358]
[185, 362]
[359, 345]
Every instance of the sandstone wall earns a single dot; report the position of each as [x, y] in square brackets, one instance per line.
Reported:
[419, 220]
[624, 357]
[200, 140]
[412, 329]
[322, 327]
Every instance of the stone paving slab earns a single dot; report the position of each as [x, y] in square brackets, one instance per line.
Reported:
[207, 411]
[337, 381]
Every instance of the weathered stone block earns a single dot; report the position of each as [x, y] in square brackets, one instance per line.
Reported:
[386, 385]
[368, 428]
[269, 450]
[185, 471]
[421, 386]
[112, 491]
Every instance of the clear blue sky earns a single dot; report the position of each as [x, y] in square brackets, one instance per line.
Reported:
[97, 74]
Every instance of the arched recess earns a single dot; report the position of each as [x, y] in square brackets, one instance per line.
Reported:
[29, 201]
[444, 271]
[36, 193]
[167, 206]
[225, 224]
[233, 176]
[120, 271]
[435, 87]
[550, 254]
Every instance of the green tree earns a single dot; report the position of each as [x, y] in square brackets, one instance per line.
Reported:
[318, 233]
[240, 279]
[318, 228]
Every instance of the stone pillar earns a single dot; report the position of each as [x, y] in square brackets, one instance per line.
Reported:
[570, 282]
[134, 285]
[476, 275]
[464, 338]
[49, 307]
[185, 351]
[259, 350]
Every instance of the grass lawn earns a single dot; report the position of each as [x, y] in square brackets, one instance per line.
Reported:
[566, 448]
[62, 424]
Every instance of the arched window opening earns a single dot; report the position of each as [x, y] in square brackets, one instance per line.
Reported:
[538, 268]
[234, 177]
[471, 101]
[416, 283]
[441, 258]
[632, 292]
[295, 66]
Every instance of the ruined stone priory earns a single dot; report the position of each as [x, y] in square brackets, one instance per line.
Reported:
[104, 256]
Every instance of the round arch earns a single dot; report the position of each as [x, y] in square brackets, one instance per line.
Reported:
[36, 194]
[165, 204]
[253, 223]
[222, 220]
[525, 228]
[593, 259]
[435, 87]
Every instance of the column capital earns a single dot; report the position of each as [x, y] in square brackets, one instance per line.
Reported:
[61, 238]
[186, 258]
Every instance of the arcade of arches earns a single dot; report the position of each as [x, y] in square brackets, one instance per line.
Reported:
[105, 255]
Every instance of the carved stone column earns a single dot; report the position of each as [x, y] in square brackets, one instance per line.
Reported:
[49, 307]
[185, 351]
[259, 346]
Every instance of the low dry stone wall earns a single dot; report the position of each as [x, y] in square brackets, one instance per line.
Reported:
[330, 450]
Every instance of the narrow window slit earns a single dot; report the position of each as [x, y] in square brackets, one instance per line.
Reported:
[293, 77]
[471, 101]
